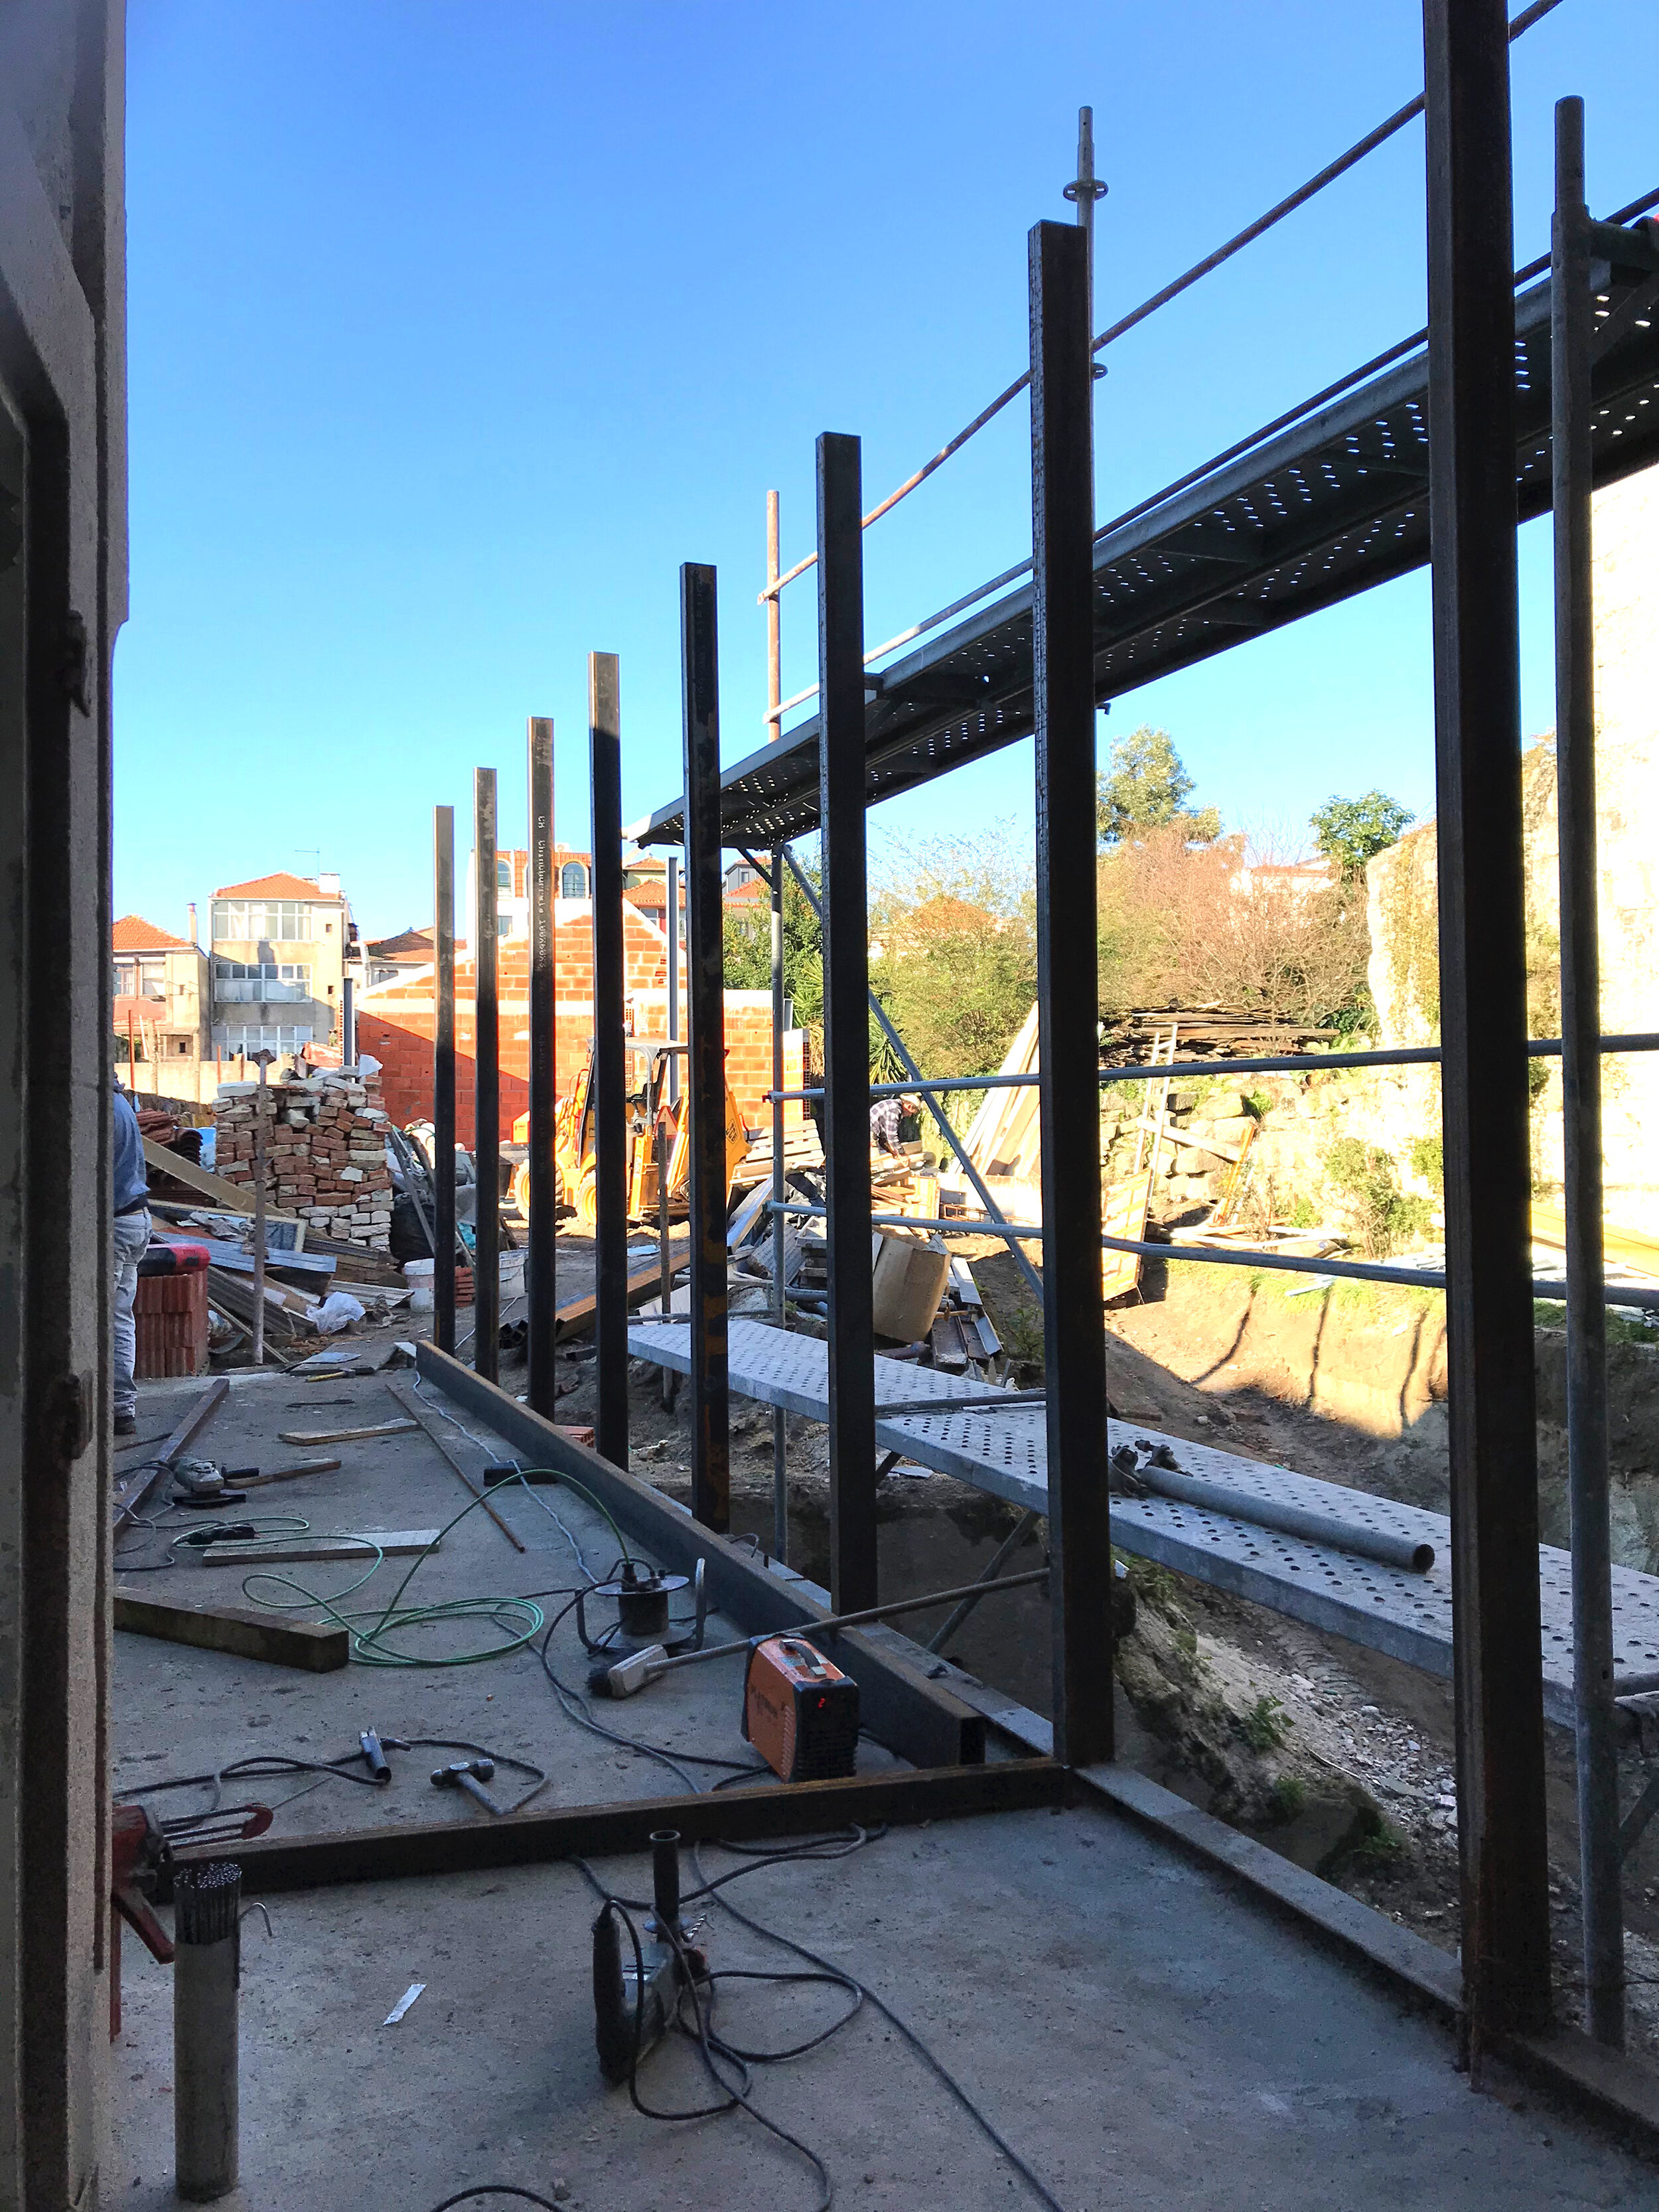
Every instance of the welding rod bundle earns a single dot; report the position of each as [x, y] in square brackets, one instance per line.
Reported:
[206, 1978]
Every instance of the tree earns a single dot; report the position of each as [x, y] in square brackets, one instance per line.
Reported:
[1146, 788]
[1351, 831]
[747, 933]
[953, 951]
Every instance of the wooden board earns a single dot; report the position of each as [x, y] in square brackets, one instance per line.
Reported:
[265, 1552]
[1123, 1204]
[346, 1436]
[243, 1630]
[228, 1197]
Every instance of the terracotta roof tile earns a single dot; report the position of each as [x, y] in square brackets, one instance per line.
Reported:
[278, 886]
[132, 933]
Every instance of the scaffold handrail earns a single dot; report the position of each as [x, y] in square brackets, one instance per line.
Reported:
[1363, 1271]
[1276, 214]
[1301, 1063]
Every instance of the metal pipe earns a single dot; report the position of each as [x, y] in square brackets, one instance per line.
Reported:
[1412, 1554]
[609, 1063]
[1004, 1551]
[773, 715]
[1304, 1063]
[927, 1090]
[1359, 1271]
[1572, 314]
[673, 883]
[206, 1977]
[711, 1438]
[260, 1136]
[851, 1388]
[1073, 1319]
[486, 1084]
[1497, 1645]
[443, 1080]
[541, 1262]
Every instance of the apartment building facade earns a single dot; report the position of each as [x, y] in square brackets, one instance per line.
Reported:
[160, 1000]
[283, 948]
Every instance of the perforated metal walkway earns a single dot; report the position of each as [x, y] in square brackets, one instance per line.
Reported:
[1003, 1451]
[1317, 515]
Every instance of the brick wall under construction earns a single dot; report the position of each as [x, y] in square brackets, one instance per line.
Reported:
[324, 1151]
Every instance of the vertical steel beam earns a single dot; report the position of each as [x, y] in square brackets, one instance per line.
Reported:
[775, 731]
[1074, 1310]
[610, 1062]
[540, 1270]
[671, 884]
[486, 1083]
[443, 1080]
[705, 972]
[1498, 1668]
[852, 1373]
[1573, 310]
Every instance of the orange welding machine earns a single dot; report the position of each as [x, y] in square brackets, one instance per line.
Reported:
[799, 1711]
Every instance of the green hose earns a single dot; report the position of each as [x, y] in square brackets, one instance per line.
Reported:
[519, 1618]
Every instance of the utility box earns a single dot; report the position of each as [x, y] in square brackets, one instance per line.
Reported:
[911, 1272]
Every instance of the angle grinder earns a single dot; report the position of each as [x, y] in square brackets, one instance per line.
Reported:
[636, 1992]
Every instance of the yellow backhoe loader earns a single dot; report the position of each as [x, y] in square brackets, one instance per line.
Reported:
[648, 1062]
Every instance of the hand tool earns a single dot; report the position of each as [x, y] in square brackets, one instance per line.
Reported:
[471, 1775]
[374, 1749]
[634, 1996]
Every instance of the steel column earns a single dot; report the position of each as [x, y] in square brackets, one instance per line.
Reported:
[705, 1101]
[443, 1080]
[610, 1062]
[1496, 1659]
[541, 1264]
[486, 1083]
[774, 730]
[852, 1375]
[671, 884]
[1073, 1314]
[1572, 309]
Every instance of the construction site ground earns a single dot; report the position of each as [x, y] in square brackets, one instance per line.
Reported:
[1140, 2030]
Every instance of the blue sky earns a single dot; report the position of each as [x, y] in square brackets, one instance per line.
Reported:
[455, 328]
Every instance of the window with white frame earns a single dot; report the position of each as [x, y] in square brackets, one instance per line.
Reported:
[261, 982]
[572, 880]
[250, 921]
[249, 1036]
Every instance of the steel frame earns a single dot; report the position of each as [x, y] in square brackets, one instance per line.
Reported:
[541, 1281]
[486, 1083]
[705, 976]
[852, 1423]
[443, 1078]
[610, 1062]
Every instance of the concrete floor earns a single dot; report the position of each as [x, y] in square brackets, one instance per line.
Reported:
[1144, 2035]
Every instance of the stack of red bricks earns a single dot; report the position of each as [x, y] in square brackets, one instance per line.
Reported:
[324, 1151]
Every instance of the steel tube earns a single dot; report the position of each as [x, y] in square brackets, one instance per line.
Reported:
[773, 716]
[851, 1387]
[611, 1131]
[927, 1090]
[261, 1138]
[999, 1558]
[1306, 1063]
[1498, 1668]
[486, 1084]
[1572, 313]
[670, 1382]
[443, 1080]
[206, 1976]
[1074, 1333]
[541, 1264]
[1410, 1553]
[711, 1441]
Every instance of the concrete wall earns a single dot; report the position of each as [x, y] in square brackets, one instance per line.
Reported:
[63, 596]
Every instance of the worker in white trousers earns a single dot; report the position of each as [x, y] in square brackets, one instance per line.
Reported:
[131, 1233]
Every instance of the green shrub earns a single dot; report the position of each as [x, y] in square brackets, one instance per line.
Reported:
[1428, 1160]
[1266, 1726]
[1384, 1216]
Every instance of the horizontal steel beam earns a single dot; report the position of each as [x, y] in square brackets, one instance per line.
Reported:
[919, 1719]
[381, 1853]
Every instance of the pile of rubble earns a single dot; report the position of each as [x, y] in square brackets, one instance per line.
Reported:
[324, 1151]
